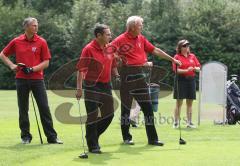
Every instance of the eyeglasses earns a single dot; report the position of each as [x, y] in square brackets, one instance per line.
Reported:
[186, 45]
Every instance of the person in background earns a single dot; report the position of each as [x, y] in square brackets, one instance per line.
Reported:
[134, 113]
[186, 87]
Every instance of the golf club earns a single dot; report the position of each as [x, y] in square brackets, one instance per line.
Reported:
[21, 65]
[181, 141]
[84, 155]
[148, 72]
[39, 131]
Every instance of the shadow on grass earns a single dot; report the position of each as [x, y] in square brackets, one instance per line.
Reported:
[97, 159]
[24, 147]
[138, 150]
[127, 150]
[189, 129]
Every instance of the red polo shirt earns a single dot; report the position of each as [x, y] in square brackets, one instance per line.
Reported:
[28, 52]
[131, 49]
[95, 63]
[189, 61]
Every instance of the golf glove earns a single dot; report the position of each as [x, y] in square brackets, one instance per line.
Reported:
[27, 70]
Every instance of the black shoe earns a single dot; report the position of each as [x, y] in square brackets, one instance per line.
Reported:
[96, 151]
[133, 123]
[128, 142]
[26, 140]
[55, 141]
[156, 143]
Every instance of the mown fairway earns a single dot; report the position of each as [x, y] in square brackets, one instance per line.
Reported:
[209, 144]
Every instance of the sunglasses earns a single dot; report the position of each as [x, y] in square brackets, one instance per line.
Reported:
[186, 45]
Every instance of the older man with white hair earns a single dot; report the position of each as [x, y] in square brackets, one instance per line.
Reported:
[132, 47]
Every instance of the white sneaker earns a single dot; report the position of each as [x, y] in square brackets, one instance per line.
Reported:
[175, 125]
[128, 142]
[191, 125]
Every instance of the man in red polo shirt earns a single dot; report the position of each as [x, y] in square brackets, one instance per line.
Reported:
[132, 47]
[94, 73]
[32, 52]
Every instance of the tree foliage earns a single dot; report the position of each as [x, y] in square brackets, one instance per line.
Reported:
[10, 27]
[212, 27]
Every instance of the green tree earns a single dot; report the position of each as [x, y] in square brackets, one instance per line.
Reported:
[85, 15]
[108, 3]
[57, 7]
[214, 28]
[54, 29]
[10, 27]
[162, 28]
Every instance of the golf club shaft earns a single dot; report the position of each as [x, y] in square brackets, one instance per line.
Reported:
[39, 132]
[81, 126]
[177, 88]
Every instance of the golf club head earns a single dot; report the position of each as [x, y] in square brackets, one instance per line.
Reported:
[182, 142]
[83, 156]
[21, 65]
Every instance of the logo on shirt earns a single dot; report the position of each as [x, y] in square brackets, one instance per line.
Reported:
[109, 56]
[139, 45]
[34, 49]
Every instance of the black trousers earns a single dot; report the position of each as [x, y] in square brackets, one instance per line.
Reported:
[100, 112]
[38, 89]
[133, 84]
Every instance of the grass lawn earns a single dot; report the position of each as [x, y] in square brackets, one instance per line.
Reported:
[209, 144]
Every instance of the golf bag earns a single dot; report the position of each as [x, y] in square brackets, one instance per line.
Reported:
[233, 101]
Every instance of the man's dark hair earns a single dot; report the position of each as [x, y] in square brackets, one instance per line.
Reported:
[99, 28]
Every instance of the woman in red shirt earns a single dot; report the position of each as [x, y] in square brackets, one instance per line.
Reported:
[185, 84]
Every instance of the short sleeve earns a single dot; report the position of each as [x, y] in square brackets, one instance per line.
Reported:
[148, 47]
[84, 60]
[197, 63]
[45, 53]
[10, 48]
[174, 66]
